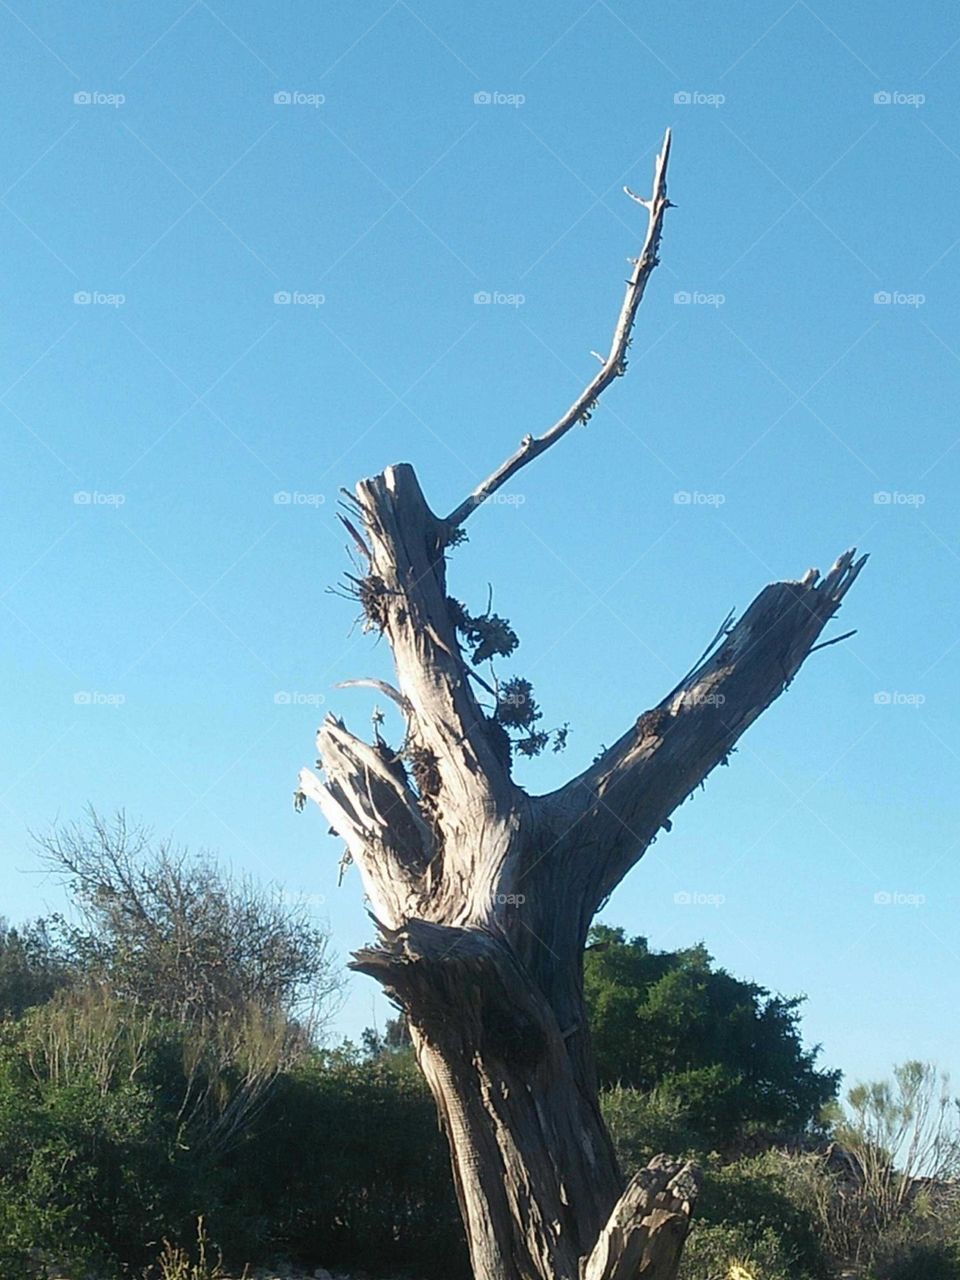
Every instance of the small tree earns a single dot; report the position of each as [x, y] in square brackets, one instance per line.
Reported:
[725, 1051]
[32, 966]
[899, 1137]
[482, 894]
[173, 931]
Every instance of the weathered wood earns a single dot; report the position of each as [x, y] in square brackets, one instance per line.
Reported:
[483, 894]
[646, 1230]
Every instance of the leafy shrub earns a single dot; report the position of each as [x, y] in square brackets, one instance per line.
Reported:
[644, 1124]
[721, 1251]
[900, 1258]
[350, 1169]
[726, 1051]
[760, 1199]
[84, 1178]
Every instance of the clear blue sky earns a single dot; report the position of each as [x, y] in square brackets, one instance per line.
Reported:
[783, 389]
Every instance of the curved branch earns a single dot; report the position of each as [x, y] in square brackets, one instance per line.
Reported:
[613, 365]
[388, 691]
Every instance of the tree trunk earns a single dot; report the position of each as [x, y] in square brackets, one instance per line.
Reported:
[482, 895]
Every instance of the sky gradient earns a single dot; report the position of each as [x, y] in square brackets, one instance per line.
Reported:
[247, 254]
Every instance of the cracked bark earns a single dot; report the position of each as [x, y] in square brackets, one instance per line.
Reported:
[482, 894]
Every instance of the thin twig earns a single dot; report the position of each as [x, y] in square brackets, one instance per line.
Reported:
[612, 366]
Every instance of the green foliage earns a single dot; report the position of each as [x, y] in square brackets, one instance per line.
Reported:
[176, 1263]
[902, 1258]
[32, 966]
[350, 1168]
[85, 1176]
[644, 1124]
[716, 1252]
[723, 1052]
[760, 1197]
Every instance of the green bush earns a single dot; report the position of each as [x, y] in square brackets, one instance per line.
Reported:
[904, 1260]
[644, 1124]
[118, 1130]
[349, 1168]
[84, 1178]
[726, 1051]
[759, 1196]
[714, 1250]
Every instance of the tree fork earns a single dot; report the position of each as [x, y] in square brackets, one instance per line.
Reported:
[483, 894]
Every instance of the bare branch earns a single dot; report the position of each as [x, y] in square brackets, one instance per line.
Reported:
[388, 691]
[623, 799]
[371, 806]
[613, 366]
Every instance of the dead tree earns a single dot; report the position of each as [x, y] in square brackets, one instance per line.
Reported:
[482, 894]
